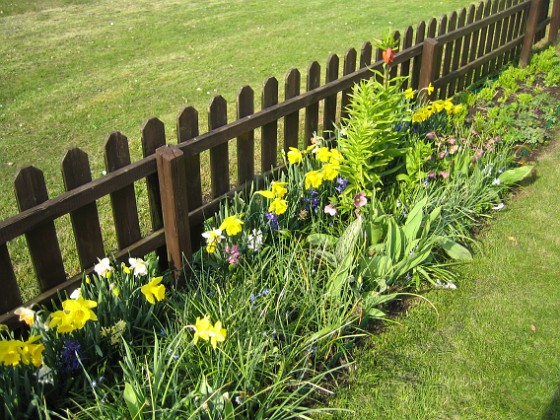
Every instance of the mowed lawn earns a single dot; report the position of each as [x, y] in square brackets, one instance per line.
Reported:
[72, 71]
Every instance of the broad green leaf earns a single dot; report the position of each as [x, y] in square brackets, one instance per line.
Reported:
[455, 250]
[131, 400]
[414, 220]
[321, 240]
[347, 242]
[516, 175]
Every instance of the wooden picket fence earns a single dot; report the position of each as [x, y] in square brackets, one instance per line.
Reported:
[452, 53]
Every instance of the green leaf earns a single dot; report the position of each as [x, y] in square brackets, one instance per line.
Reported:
[516, 175]
[131, 400]
[455, 250]
[347, 242]
[321, 240]
[414, 220]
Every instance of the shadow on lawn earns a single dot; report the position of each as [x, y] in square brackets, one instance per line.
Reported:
[552, 412]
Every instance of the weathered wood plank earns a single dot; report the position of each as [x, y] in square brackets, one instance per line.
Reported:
[246, 141]
[530, 32]
[219, 155]
[329, 112]
[312, 110]
[85, 220]
[405, 65]
[457, 52]
[123, 201]
[269, 132]
[365, 54]
[466, 46]
[349, 68]
[416, 62]
[291, 121]
[493, 37]
[10, 298]
[431, 58]
[449, 48]
[173, 185]
[554, 22]
[153, 137]
[42, 241]
[187, 130]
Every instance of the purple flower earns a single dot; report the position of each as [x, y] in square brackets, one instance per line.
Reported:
[272, 220]
[69, 358]
[360, 200]
[312, 201]
[233, 253]
[341, 184]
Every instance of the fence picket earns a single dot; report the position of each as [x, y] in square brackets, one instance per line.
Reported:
[349, 67]
[246, 141]
[466, 49]
[312, 111]
[291, 121]
[153, 137]
[365, 54]
[405, 66]
[419, 39]
[457, 52]
[219, 155]
[187, 130]
[329, 112]
[493, 38]
[393, 68]
[475, 46]
[85, 220]
[123, 201]
[42, 241]
[10, 297]
[446, 67]
[269, 132]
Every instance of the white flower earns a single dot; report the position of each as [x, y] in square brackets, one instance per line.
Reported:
[139, 266]
[496, 181]
[330, 210]
[76, 294]
[499, 206]
[255, 240]
[104, 267]
[26, 315]
[448, 285]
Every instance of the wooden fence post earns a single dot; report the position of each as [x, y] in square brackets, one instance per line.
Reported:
[10, 297]
[173, 190]
[429, 69]
[530, 31]
[554, 22]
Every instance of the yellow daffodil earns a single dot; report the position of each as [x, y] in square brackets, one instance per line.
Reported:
[279, 189]
[217, 334]
[409, 93]
[213, 238]
[26, 315]
[125, 269]
[202, 329]
[10, 352]
[430, 89]
[278, 206]
[232, 225]
[295, 157]
[336, 156]
[323, 154]
[330, 171]
[74, 315]
[438, 105]
[32, 353]
[313, 179]
[154, 290]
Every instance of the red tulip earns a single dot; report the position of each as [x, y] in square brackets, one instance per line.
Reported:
[388, 55]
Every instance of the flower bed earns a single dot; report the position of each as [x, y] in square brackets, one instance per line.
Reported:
[289, 275]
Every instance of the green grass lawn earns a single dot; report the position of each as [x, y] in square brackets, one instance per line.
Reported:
[491, 351]
[74, 70]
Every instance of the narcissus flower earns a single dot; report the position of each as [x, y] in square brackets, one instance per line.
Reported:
[295, 156]
[323, 154]
[104, 267]
[278, 206]
[213, 238]
[138, 266]
[277, 190]
[430, 89]
[313, 179]
[14, 352]
[26, 315]
[409, 93]
[154, 290]
[74, 315]
[330, 171]
[232, 225]
[204, 330]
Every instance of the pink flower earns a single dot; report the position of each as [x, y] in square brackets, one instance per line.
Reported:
[444, 174]
[330, 210]
[478, 154]
[360, 200]
[234, 254]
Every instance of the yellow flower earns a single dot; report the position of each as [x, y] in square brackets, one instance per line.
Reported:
[409, 93]
[323, 154]
[279, 189]
[154, 290]
[313, 179]
[457, 109]
[232, 225]
[336, 156]
[32, 353]
[74, 315]
[213, 238]
[217, 334]
[202, 329]
[330, 171]
[448, 105]
[26, 315]
[438, 105]
[430, 89]
[278, 206]
[124, 268]
[10, 352]
[295, 156]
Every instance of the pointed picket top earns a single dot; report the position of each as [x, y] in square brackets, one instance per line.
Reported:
[187, 124]
[153, 136]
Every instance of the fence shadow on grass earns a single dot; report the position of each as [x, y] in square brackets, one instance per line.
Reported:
[552, 412]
